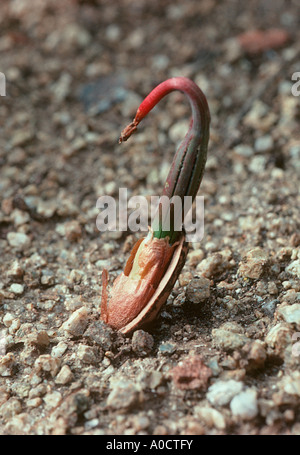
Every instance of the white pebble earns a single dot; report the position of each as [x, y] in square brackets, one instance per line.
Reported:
[222, 392]
[16, 288]
[18, 240]
[264, 144]
[290, 313]
[244, 405]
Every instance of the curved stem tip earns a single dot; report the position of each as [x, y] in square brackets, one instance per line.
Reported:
[188, 165]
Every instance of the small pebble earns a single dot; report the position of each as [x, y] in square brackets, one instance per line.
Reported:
[211, 266]
[291, 383]
[52, 399]
[257, 41]
[195, 257]
[40, 338]
[244, 150]
[77, 322]
[16, 288]
[150, 379]
[64, 376]
[142, 342]
[264, 144]
[87, 354]
[191, 373]
[123, 396]
[47, 364]
[222, 392]
[59, 349]
[7, 363]
[254, 264]
[10, 408]
[294, 268]
[226, 339]
[167, 349]
[47, 278]
[198, 290]
[244, 405]
[184, 278]
[257, 164]
[101, 334]
[140, 422]
[73, 231]
[269, 307]
[16, 270]
[278, 337]
[18, 240]
[21, 137]
[34, 402]
[8, 319]
[211, 417]
[290, 313]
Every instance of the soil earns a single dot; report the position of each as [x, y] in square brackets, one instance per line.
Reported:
[222, 357]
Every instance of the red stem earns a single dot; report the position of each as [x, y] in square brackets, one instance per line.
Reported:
[188, 164]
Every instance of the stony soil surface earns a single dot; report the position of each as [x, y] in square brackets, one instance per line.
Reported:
[222, 357]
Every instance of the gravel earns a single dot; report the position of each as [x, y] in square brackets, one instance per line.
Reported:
[222, 357]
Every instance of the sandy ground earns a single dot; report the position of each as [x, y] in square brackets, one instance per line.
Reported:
[222, 357]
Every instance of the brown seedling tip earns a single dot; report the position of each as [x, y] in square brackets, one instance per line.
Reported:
[128, 131]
